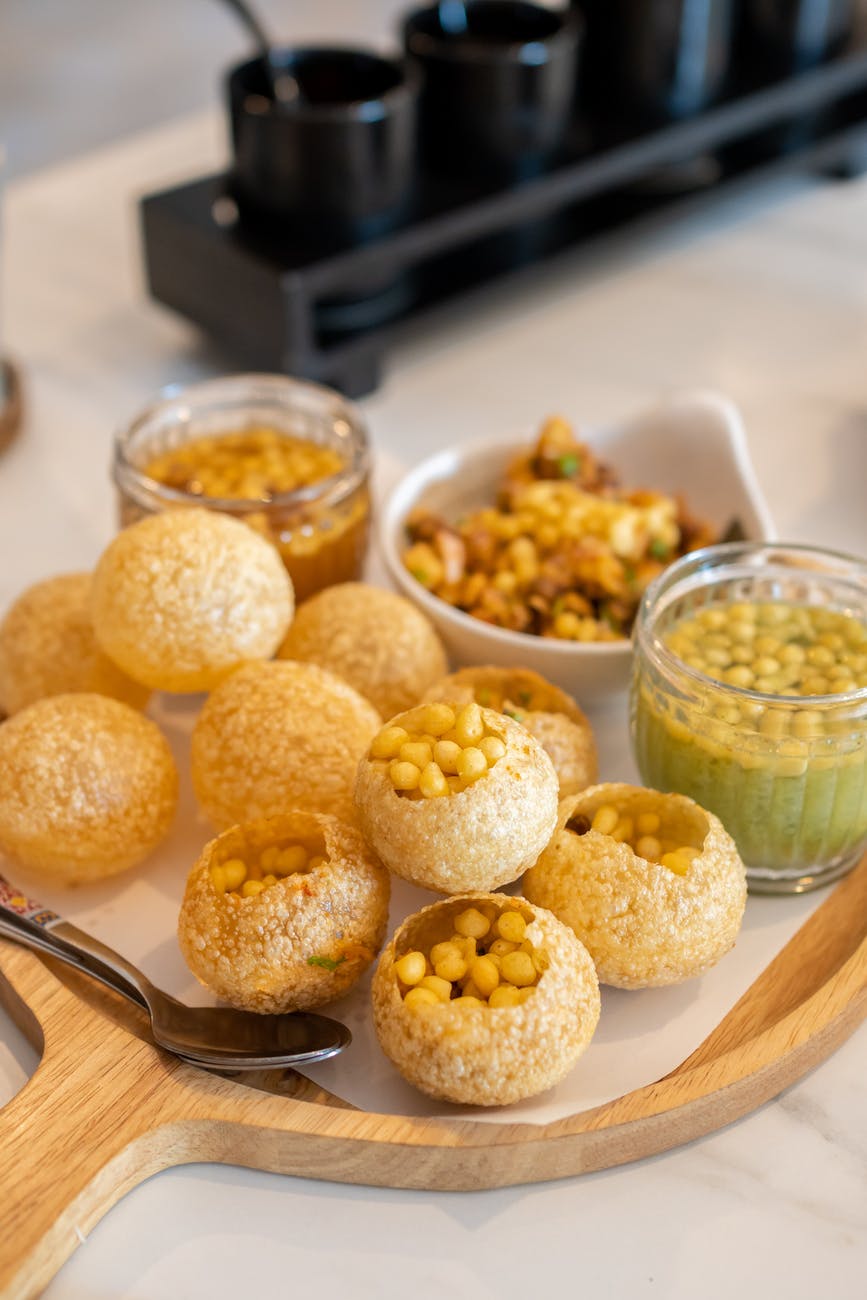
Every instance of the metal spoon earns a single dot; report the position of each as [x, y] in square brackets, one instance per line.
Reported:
[284, 87]
[213, 1036]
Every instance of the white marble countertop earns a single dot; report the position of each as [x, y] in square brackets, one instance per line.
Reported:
[763, 296]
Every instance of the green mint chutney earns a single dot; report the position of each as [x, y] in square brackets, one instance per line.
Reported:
[757, 709]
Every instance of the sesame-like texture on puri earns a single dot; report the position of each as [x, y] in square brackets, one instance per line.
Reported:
[88, 787]
[644, 925]
[47, 647]
[376, 640]
[481, 838]
[181, 599]
[300, 943]
[487, 1056]
[277, 736]
[553, 718]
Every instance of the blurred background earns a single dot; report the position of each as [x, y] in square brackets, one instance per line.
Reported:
[75, 74]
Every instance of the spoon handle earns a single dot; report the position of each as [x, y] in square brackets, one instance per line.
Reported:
[24, 919]
[284, 87]
[44, 943]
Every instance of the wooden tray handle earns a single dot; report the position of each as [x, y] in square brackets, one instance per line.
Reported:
[76, 1137]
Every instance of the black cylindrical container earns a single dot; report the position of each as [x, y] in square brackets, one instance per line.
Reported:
[337, 164]
[499, 79]
[655, 60]
[781, 37]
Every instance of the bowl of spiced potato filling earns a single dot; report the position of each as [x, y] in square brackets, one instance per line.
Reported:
[535, 551]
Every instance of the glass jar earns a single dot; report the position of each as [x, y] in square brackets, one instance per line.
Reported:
[320, 529]
[785, 773]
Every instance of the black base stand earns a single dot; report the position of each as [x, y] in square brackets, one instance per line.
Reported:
[331, 316]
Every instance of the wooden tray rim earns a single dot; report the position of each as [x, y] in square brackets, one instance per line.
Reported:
[772, 1058]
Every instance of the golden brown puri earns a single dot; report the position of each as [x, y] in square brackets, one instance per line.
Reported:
[645, 924]
[88, 787]
[374, 639]
[277, 736]
[479, 838]
[181, 599]
[301, 941]
[47, 647]
[548, 713]
[484, 1055]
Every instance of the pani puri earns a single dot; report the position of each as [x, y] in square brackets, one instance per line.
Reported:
[88, 787]
[374, 639]
[47, 647]
[285, 913]
[456, 800]
[277, 736]
[548, 713]
[182, 598]
[651, 883]
[484, 1047]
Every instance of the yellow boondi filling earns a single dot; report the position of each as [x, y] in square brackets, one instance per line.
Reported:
[488, 961]
[253, 464]
[643, 833]
[449, 752]
[246, 879]
[776, 648]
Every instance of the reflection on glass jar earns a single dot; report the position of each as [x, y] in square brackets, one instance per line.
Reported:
[291, 459]
[750, 696]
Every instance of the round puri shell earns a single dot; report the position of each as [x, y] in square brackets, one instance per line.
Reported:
[488, 1056]
[301, 942]
[372, 638]
[88, 787]
[643, 925]
[181, 598]
[277, 736]
[554, 718]
[479, 839]
[47, 647]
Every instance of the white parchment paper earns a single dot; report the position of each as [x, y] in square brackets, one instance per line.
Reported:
[642, 1035]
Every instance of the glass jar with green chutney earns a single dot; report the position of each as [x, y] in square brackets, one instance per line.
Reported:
[749, 695]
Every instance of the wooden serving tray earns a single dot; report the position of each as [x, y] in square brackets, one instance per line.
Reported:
[105, 1108]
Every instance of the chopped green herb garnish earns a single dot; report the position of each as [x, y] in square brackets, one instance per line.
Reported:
[569, 465]
[421, 575]
[659, 550]
[327, 963]
[524, 697]
[519, 717]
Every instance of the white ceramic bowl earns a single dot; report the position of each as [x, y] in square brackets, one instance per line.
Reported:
[693, 444]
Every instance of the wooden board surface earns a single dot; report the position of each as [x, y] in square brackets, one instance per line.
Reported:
[105, 1109]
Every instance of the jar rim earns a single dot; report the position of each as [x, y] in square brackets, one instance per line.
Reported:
[704, 559]
[264, 386]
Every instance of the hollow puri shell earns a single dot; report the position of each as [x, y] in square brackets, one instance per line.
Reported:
[372, 638]
[300, 943]
[487, 1056]
[182, 598]
[88, 787]
[481, 838]
[277, 736]
[47, 647]
[644, 925]
[548, 713]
